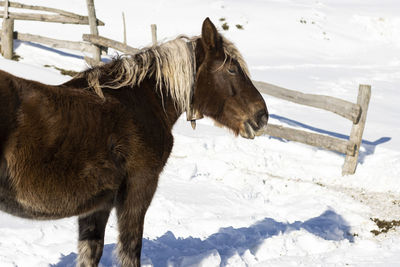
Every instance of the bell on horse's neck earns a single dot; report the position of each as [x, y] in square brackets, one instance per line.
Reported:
[193, 123]
[192, 116]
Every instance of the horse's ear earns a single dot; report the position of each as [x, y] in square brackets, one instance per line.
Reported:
[209, 35]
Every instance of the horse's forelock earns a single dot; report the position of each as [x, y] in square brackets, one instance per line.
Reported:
[231, 51]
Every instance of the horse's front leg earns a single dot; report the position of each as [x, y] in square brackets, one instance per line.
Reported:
[91, 238]
[132, 202]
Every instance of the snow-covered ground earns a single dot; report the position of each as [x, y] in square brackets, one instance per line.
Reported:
[227, 201]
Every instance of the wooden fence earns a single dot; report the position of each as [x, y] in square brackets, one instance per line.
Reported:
[355, 112]
[92, 43]
[58, 16]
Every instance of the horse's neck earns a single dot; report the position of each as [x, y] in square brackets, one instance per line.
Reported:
[143, 98]
[166, 106]
[147, 99]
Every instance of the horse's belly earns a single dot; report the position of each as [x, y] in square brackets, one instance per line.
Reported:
[55, 188]
[64, 196]
[36, 205]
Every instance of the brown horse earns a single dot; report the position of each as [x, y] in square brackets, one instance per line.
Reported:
[101, 140]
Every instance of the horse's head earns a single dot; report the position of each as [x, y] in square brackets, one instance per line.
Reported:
[223, 89]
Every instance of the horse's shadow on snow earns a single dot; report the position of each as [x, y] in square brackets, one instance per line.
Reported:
[226, 242]
[367, 147]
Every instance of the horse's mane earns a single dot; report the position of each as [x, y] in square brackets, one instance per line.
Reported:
[172, 63]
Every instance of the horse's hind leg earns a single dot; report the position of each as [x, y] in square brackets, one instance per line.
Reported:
[91, 238]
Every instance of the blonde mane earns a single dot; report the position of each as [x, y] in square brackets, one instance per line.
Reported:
[172, 63]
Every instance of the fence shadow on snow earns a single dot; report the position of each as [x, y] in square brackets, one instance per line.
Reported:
[227, 241]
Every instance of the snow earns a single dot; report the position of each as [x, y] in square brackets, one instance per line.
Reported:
[227, 201]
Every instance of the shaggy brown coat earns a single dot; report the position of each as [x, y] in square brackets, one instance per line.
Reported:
[101, 140]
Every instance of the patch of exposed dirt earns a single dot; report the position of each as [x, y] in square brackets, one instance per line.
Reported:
[384, 226]
[63, 71]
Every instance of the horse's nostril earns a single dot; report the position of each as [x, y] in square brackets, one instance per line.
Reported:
[262, 118]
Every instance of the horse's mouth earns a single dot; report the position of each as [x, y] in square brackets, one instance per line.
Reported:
[249, 132]
[252, 128]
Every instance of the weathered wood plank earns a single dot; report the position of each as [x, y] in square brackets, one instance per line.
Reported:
[154, 34]
[6, 4]
[80, 46]
[7, 41]
[91, 62]
[313, 139]
[51, 18]
[42, 8]
[124, 26]
[350, 163]
[93, 29]
[103, 41]
[341, 107]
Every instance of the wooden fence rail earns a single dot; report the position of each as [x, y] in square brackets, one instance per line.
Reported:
[80, 46]
[356, 113]
[313, 139]
[66, 17]
[41, 8]
[50, 18]
[103, 41]
[341, 107]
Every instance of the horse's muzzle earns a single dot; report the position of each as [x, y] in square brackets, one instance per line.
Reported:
[255, 125]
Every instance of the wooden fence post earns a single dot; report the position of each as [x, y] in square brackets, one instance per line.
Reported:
[154, 34]
[93, 29]
[350, 163]
[124, 25]
[7, 34]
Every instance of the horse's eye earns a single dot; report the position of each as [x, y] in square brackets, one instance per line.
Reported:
[232, 70]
